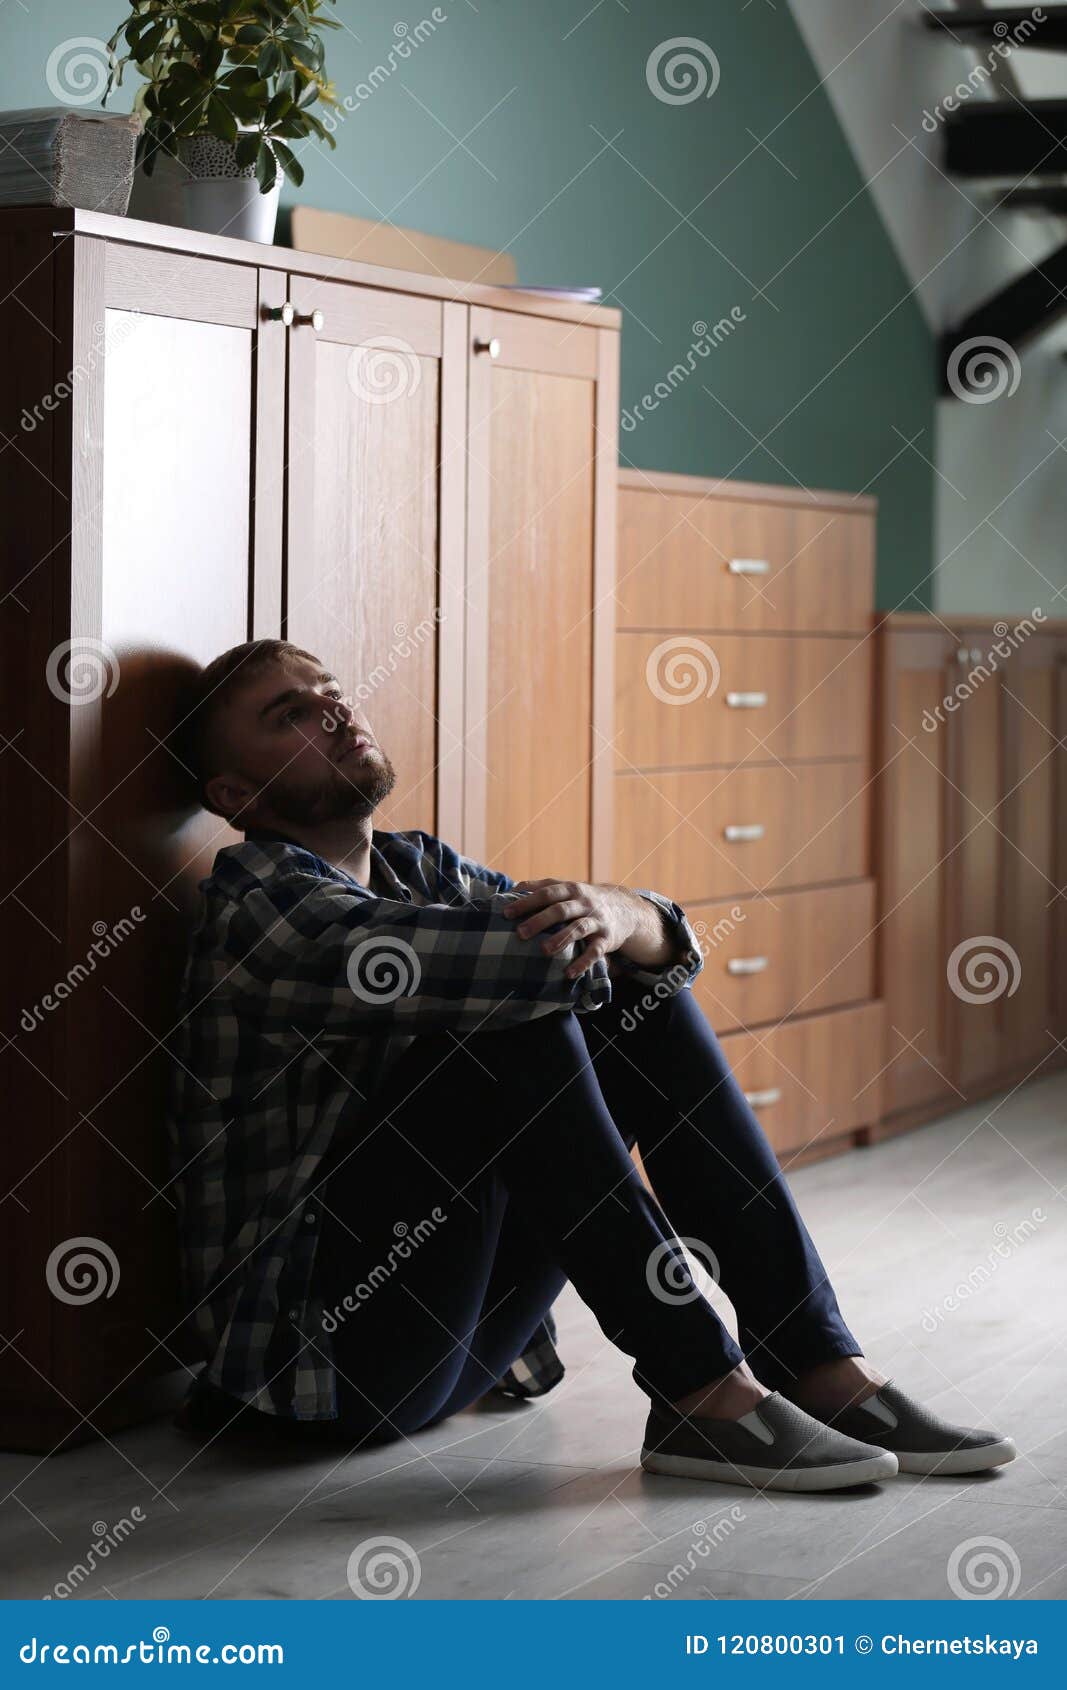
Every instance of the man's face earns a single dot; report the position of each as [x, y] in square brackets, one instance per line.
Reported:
[299, 750]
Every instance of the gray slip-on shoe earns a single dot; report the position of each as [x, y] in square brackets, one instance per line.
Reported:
[921, 1441]
[774, 1447]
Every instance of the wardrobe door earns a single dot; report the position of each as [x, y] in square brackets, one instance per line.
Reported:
[1032, 877]
[541, 535]
[377, 420]
[978, 960]
[150, 579]
[915, 873]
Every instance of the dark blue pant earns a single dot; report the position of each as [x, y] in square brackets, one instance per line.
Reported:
[519, 1139]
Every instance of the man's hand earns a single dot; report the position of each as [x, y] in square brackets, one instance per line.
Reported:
[612, 918]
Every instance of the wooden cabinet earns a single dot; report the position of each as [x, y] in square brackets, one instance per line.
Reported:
[541, 534]
[1034, 882]
[450, 536]
[971, 869]
[744, 677]
[376, 448]
[915, 815]
[211, 441]
[975, 734]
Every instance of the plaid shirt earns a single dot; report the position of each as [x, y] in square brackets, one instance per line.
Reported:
[301, 989]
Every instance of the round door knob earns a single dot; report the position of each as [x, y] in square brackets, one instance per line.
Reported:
[281, 314]
[316, 318]
[491, 346]
[976, 654]
[961, 654]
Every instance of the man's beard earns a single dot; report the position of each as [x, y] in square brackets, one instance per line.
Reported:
[354, 789]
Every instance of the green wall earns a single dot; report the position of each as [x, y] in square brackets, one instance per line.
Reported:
[533, 127]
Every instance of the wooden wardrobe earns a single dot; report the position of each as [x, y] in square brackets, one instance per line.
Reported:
[209, 441]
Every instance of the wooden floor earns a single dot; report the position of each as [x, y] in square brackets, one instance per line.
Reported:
[544, 1500]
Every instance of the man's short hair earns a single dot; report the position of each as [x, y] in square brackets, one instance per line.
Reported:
[212, 694]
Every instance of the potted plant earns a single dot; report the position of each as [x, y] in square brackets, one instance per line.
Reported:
[228, 85]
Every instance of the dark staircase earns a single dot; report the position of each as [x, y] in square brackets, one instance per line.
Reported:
[978, 25]
[1007, 138]
[994, 139]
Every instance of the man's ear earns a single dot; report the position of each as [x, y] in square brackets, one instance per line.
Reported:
[229, 794]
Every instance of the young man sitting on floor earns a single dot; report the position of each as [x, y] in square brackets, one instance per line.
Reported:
[405, 1093]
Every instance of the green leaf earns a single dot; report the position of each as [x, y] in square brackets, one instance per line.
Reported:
[270, 59]
[289, 161]
[190, 122]
[181, 74]
[242, 76]
[190, 35]
[278, 107]
[247, 149]
[149, 42]
[266, 168]
[251, 34]
[221, 120]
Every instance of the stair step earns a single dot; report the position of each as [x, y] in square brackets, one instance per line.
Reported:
[1021, 310]
[1007, 138]
[1010, 24]
[1044, 196]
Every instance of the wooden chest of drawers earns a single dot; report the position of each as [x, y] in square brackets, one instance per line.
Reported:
[809, 1079]
[745, 828]
[690, 699]
[771, 956]
[742, 756]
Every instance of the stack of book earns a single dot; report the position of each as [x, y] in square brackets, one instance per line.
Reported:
[51, 155]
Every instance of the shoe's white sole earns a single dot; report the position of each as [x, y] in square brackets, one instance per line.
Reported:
[957, 1461]
[840, 1476]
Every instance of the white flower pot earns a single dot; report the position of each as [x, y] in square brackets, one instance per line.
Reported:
[223, 197]
[222, 206]
[205, 189]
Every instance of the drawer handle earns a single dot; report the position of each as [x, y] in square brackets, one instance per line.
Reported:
[737, 832]
[747, 964]
[316, 319]
[763, 1099]
[746, 700]
[749, 566]
[491, 346]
